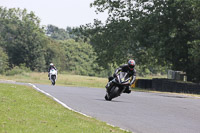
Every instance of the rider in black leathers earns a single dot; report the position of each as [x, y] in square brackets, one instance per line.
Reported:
[129, 68]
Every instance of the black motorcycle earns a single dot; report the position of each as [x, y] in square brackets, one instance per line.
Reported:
[120, 82]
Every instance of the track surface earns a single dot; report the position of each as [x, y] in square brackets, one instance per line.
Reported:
[138, 112]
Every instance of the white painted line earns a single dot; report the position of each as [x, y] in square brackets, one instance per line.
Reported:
[64, 105]
[55, 99]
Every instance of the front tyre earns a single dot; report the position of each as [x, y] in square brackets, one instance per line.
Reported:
[53, 80]
[114, 92]
[53, 83]
[106, 98]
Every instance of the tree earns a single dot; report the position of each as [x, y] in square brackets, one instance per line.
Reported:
[24, 40]
[174, 25]
[80, 58]
[194, 57]
[55, 52]
[3, 61]
[56, 33]
[154, 32]
[63, 34]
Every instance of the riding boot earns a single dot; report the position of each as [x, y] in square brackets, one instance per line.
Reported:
[127, 90]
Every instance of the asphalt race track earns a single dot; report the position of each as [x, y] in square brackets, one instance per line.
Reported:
[138, 112]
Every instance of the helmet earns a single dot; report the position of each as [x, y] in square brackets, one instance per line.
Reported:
[51, 64]
[131, 64]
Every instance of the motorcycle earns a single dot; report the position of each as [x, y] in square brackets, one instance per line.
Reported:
[120, 82]
[53, 76]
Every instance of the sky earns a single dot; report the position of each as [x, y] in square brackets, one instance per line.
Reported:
[60, 13]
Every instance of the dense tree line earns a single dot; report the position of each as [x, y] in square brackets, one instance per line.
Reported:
[57, 33]
[155, 33]
[21, 38]
[158, 34]
[24, 43]
[3, 61]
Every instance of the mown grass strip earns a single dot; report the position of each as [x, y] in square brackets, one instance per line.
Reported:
[23, 109]
[73, 80]
[63, 79]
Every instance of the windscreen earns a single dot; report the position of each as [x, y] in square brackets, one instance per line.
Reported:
[123, 76]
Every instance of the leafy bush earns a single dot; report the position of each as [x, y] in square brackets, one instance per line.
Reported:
[17, 70]
[3, 60]
[80, 57]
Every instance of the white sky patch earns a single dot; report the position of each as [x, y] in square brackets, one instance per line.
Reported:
[60, 13]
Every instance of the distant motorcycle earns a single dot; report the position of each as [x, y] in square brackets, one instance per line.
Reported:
[53, 76]
[121, 81]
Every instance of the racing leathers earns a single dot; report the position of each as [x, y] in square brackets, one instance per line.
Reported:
[51, 67]
[123, 68]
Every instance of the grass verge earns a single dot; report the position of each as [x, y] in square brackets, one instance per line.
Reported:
[63, 79]
[25, 110]
[152, 91]
[74, 80]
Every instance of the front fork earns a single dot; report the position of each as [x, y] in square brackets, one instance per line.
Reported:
[109, 85]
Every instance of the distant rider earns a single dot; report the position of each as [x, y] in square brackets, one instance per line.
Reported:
[129, 68]
[51, 66]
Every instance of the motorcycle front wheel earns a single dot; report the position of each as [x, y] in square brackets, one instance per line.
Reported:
[53, 80]
[106, 98]
[113, 93]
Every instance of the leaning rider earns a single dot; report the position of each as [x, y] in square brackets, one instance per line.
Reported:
[129, 68]
[51, 66]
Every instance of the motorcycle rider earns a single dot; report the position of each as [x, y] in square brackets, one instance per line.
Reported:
[129, 68]
[51, 66]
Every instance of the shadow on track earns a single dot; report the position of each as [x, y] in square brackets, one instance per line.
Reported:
[114, 101]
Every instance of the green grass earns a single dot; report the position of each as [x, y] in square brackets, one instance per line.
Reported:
[152, 91]
[63, 79]
[24, 110]
[74, 80]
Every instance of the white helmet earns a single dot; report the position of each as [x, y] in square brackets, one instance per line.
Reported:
[51, 64]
